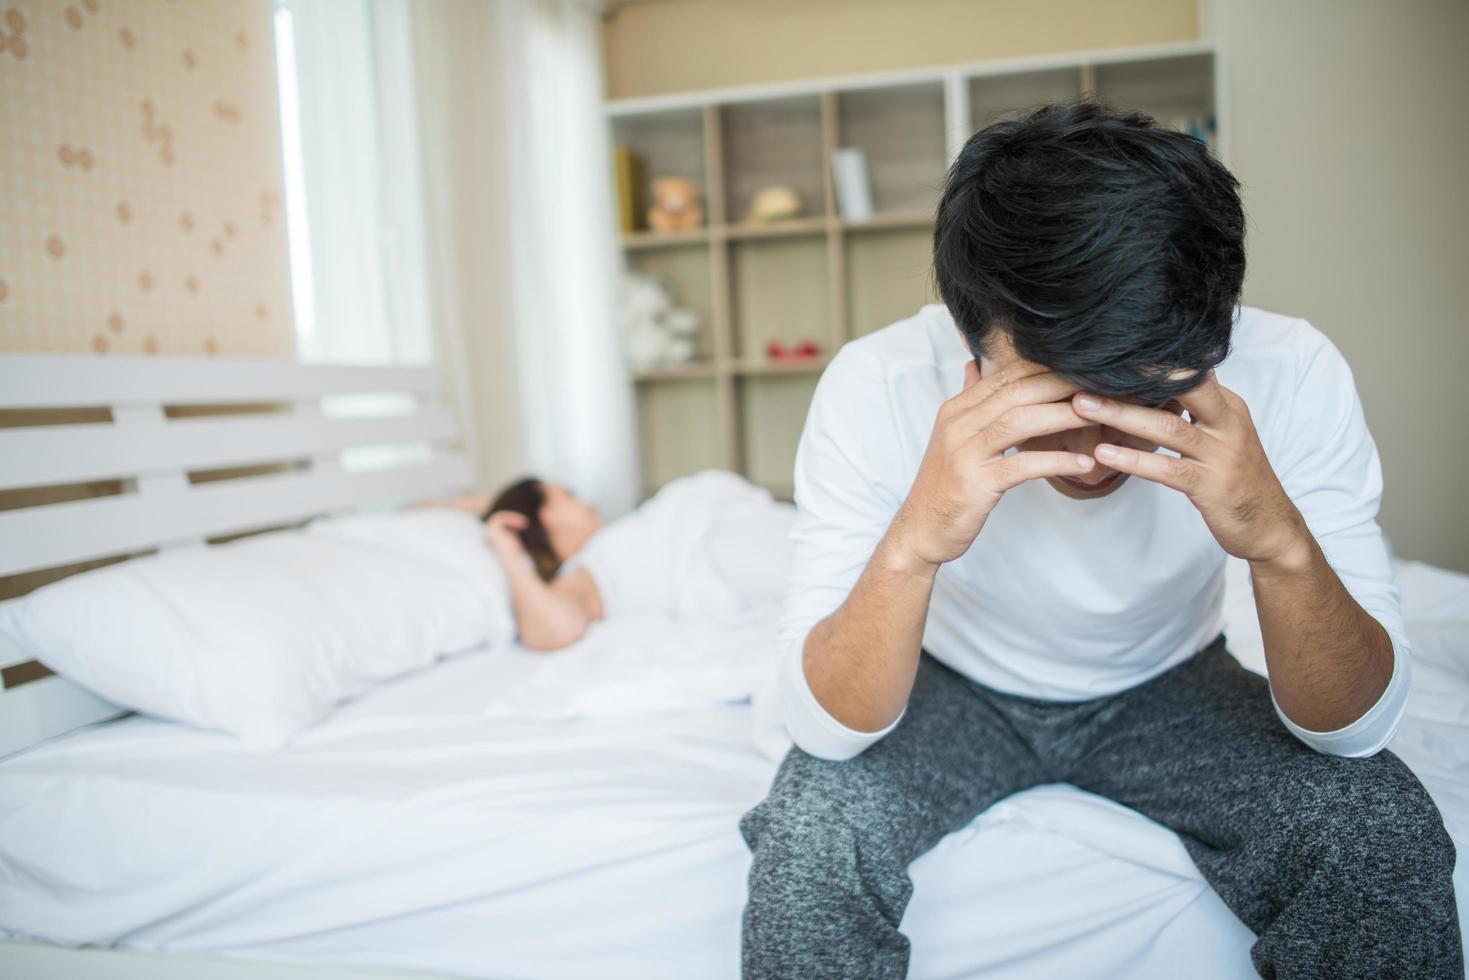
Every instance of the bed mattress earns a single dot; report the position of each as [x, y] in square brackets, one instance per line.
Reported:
[414, 830]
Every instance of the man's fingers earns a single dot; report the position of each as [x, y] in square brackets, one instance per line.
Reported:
[1205, 402]
[1033, 389]
[1156, 425]
[1016, 468]
[1015, 425]
[1180, 474]
[973, 394]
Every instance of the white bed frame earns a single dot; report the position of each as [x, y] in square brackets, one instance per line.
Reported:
[161, 508]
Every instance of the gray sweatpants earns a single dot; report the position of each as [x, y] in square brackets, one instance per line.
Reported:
[1341, 867]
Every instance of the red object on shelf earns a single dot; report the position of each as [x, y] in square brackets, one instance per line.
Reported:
[805, 350]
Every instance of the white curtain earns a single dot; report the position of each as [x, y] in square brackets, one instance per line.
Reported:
[455, 161]
[576, 391]
[521, 237]
[358, 263]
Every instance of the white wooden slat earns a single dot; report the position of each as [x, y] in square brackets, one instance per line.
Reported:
[56, 454]
[142, 423]
[46, 707]
[135, 415]
[166, 510]
[309, 412]
[60, 534]
[70, 380]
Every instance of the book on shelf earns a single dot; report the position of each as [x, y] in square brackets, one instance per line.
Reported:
[853, 186]
[627, 170]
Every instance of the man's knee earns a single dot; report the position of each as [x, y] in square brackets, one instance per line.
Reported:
[1395, 804]
[824, 811]
[1373, 810]
[828, 833]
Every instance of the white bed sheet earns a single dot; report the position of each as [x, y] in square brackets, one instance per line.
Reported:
[415, 830]
[412, 831]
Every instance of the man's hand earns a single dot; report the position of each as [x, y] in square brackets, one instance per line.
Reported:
[1328, 660]
[1221, 467]
[965, 470]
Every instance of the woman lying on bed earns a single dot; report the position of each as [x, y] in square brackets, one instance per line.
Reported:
[711, 546]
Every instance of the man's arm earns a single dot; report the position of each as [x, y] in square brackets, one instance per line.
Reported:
[860, 662]
[1329, 661]
[1322, 579]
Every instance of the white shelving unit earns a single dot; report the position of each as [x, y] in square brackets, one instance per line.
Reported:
[817, 276]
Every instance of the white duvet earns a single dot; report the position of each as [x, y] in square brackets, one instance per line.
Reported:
[514, 814]
[640, 666]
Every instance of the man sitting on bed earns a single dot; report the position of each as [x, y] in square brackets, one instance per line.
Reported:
[1014, 512]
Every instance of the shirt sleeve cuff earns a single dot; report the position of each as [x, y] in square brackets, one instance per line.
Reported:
[1370, 733]
[810, 725]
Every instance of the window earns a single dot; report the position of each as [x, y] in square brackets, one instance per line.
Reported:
[353, 204]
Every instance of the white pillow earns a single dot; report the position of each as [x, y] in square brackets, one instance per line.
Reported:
[263, 636]
[434, 534]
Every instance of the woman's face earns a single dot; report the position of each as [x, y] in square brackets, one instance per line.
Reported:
[569, 520]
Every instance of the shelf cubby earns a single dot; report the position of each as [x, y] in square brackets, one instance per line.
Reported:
[900, 131]
[669, 143]
[773, 142]
[1168, 89]
[779, 291]
[679, 428]
[888, 275]
[772, 412]
[685, 272]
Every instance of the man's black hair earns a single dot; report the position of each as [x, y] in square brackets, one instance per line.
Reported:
[1108, 248]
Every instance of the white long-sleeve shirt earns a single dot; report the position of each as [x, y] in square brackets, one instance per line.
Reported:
[1067, 599]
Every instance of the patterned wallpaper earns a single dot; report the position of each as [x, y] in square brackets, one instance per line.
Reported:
[141, 205]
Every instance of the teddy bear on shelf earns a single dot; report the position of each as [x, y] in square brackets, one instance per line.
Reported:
[675, 205]
[658, 333]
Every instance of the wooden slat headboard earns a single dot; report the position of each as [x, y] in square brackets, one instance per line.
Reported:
[153, 455]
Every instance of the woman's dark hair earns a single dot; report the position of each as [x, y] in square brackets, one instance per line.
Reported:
[1107, 248]
[525, 497]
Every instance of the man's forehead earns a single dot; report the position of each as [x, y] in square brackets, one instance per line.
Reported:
[1001, 354]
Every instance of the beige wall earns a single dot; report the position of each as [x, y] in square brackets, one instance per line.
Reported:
[1346, 124]
[685, 45]
[1348, 127]
[141, 205]
[140, 179]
